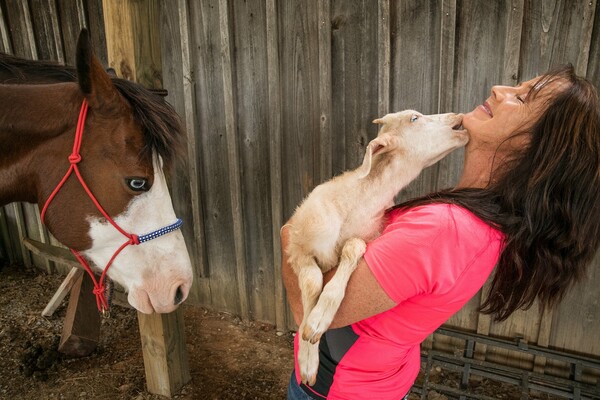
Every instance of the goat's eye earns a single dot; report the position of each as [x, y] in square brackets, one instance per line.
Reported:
[138, 184]
[414, 118]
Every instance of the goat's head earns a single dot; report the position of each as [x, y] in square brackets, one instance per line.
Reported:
[422, 139]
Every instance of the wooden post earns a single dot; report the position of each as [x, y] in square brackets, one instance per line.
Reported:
[165, 356]
[134, 51]
[81, 330]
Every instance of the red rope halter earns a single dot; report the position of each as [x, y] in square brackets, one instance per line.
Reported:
[132, 239]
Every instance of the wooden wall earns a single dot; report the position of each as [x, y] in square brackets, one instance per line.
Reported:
[278, 96]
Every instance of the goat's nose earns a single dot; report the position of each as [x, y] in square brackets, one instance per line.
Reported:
[178, 295]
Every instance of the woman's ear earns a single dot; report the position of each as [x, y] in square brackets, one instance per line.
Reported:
[94, 82]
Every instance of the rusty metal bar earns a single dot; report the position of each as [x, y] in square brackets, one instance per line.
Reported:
[527, 381]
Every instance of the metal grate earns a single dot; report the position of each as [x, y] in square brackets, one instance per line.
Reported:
[523, 381]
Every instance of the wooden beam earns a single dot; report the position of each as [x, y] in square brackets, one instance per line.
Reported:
[52, 253]
[62, 291]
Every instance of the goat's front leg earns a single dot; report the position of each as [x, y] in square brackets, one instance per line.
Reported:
[310, 280]
[331, 297]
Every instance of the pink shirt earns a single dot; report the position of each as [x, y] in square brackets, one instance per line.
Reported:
[430, 260]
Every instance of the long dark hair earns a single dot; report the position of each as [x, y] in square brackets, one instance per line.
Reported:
[545, 199]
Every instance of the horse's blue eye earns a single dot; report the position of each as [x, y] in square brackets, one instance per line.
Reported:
[414, 118]
[138, 184]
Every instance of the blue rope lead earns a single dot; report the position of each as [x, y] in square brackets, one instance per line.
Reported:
[161, 231]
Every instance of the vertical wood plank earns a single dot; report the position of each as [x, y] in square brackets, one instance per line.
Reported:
[383, 57]
[298, 26]
[354, 87]
[593, 68]
[178, 79]
[5, 43]
[416, 70]
[448, 170]
[283, 317]
[81, 329]
[147, 49]
[212, 154]
[324, 39]
[249, 37]
[5, 243]
[233, 160]
[587, 27]
[45, 20]
[120, 37]
[72, 19]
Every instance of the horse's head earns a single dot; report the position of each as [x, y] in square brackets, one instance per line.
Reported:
[129, 134]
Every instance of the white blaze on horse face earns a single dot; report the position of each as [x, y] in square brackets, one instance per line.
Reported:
[155, 272]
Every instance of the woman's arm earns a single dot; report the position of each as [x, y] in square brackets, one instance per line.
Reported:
[364, 296]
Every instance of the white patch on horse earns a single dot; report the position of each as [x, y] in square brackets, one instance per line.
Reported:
[153, 271]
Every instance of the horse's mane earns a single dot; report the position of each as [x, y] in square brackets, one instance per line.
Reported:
[160, 123]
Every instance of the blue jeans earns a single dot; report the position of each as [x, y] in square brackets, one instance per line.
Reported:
[295, 392]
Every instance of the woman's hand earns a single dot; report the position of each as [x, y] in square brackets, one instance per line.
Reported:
[364, 296]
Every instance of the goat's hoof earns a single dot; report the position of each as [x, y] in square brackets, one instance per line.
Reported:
[311, 335]
[309, 380]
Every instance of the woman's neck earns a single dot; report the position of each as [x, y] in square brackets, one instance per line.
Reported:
[478, 167]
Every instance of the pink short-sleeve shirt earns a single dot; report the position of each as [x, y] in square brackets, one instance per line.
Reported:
[430, 260]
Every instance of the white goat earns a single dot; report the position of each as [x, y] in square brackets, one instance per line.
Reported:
[332, 225]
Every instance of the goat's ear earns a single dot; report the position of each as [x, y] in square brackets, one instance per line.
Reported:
[380, 144]
[365, 168]
[378, 121]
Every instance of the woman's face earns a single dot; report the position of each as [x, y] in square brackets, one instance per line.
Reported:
[507, 111]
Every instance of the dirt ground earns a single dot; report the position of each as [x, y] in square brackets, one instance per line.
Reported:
[228, 358]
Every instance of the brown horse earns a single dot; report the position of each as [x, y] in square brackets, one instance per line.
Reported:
[113, 136]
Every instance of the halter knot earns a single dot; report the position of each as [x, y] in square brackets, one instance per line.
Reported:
[98, 290]
[74, 158]
[134, 239]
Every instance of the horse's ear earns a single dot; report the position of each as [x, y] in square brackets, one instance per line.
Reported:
[94, 82]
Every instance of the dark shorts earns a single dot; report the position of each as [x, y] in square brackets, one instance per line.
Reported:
[295, 392]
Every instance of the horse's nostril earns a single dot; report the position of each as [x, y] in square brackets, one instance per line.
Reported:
[178, 296]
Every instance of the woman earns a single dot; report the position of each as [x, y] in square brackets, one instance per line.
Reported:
[528, 203]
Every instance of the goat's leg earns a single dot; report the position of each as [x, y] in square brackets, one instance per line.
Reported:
[310, 280]
[331, 297]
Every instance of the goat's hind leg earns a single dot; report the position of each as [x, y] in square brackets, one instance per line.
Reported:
[331, 297]
[310, 280]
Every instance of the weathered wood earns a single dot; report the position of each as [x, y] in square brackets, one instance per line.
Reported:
[275, 162]
[165, 356]
[52, 253]
[162, 335]
[120, 37]
[5, 44]
[383, 57]
[62, 291]
[72, 20]
[449, 169]
[186, 182]
[415, 85]
[233, 160]
[45, 20]
[354, 84]
[6, 248]
[81, 329]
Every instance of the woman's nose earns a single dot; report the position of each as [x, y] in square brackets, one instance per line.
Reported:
[498, 92]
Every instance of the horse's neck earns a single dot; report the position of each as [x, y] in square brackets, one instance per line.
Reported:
[30, 117]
